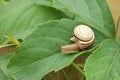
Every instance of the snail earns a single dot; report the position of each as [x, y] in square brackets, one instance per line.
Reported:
[83, 36]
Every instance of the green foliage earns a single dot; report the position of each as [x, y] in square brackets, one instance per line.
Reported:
[21, 16]
[50, 58]
[4, 59]
[46, 25]
[104, 62]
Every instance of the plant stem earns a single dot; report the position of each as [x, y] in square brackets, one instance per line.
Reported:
[81, 65]
[66, 76]
[82, 78]
[77, 68]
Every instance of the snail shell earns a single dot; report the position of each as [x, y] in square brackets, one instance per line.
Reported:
[83, 36]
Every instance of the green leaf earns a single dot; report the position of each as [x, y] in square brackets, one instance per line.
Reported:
[43, 56]
[1, 1]
[40, 52]
[44, 2]
[20, 16]
[96, 12]
[12, 40]
[104, 63]
[2, 6]
[118, 40]
[4, 59]
[117, 31]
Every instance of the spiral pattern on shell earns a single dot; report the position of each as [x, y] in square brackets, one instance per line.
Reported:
[84, 36]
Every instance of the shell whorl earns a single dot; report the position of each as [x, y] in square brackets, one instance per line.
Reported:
[84, 36]
[83, 32]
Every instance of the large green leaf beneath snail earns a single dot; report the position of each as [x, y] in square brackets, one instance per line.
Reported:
[19, 17]
[4, 59]
[37, 59]
[104, 62]
[43, 56]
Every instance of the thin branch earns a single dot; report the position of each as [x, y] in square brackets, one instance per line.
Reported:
[77, 68]
[66, 76]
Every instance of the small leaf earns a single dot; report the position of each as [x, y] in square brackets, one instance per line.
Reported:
[104, 63]
[12, 40]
